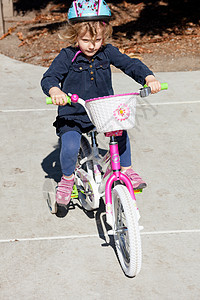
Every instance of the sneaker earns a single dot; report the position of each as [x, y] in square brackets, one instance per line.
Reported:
[135, 179]
[64, 190]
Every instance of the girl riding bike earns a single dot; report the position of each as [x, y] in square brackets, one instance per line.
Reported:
[84, 69]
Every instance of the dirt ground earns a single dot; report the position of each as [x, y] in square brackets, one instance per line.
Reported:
[139, 30]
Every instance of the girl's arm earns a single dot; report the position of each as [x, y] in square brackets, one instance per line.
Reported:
[132, 67]
[56, 73]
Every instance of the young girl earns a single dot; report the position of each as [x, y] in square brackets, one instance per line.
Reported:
[84, 69]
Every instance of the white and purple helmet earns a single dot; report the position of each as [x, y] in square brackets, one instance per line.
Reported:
[85, 10]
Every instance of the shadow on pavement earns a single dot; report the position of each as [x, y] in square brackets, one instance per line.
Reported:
[51, 164]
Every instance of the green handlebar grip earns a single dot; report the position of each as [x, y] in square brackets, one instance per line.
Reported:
[49, 100]
[164, 86]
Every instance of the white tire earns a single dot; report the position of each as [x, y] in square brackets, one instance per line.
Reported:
[49, 191]
[88, 197]
[126, 231]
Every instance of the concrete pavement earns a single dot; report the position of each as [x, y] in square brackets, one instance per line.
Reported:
[44, 256]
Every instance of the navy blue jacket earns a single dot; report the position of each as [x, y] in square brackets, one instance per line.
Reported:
[88, 79]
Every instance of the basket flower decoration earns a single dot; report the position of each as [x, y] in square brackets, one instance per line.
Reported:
[122, 112]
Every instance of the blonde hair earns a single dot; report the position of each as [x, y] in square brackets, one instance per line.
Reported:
[72, 31]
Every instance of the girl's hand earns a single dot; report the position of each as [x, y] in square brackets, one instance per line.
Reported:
[58, 97]
[153, 83]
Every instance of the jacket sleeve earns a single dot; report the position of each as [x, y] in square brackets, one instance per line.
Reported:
[132, 67]
[56, 72]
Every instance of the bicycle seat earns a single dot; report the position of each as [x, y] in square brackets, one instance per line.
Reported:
[114, 133]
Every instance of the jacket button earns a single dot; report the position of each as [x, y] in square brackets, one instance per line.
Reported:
[92, 78]
[90, 66]
[80, 68]
[91, 72]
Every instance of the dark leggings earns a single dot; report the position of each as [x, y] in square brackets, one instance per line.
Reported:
[70, 145]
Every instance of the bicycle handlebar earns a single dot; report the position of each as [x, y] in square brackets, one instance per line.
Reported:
[144, 92]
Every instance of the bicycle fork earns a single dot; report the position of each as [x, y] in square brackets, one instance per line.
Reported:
[116, 176]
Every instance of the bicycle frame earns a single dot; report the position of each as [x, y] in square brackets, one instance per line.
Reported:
[116, 176]
[106, 184]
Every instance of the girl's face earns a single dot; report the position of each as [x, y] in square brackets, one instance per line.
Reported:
[88, 45]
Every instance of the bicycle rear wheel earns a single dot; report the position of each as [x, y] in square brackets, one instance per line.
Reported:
[126, 231]
[86, 193]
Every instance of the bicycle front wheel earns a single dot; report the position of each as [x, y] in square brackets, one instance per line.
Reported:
[126, 231]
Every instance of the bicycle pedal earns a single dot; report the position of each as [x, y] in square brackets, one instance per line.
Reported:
[138, 191]
[74, 193]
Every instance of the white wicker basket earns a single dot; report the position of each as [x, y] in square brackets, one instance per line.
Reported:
[110, 113]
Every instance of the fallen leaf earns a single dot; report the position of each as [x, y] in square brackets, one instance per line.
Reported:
[20, 36]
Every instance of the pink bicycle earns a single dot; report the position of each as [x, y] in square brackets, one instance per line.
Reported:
[99, 176]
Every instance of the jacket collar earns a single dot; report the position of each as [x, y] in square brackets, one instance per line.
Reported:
[80, 57]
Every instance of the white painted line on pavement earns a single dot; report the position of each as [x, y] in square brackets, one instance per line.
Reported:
[94, 235]
[170, 232]
[54, 109]
[27, 110]
[50, 238]
[169, 103]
